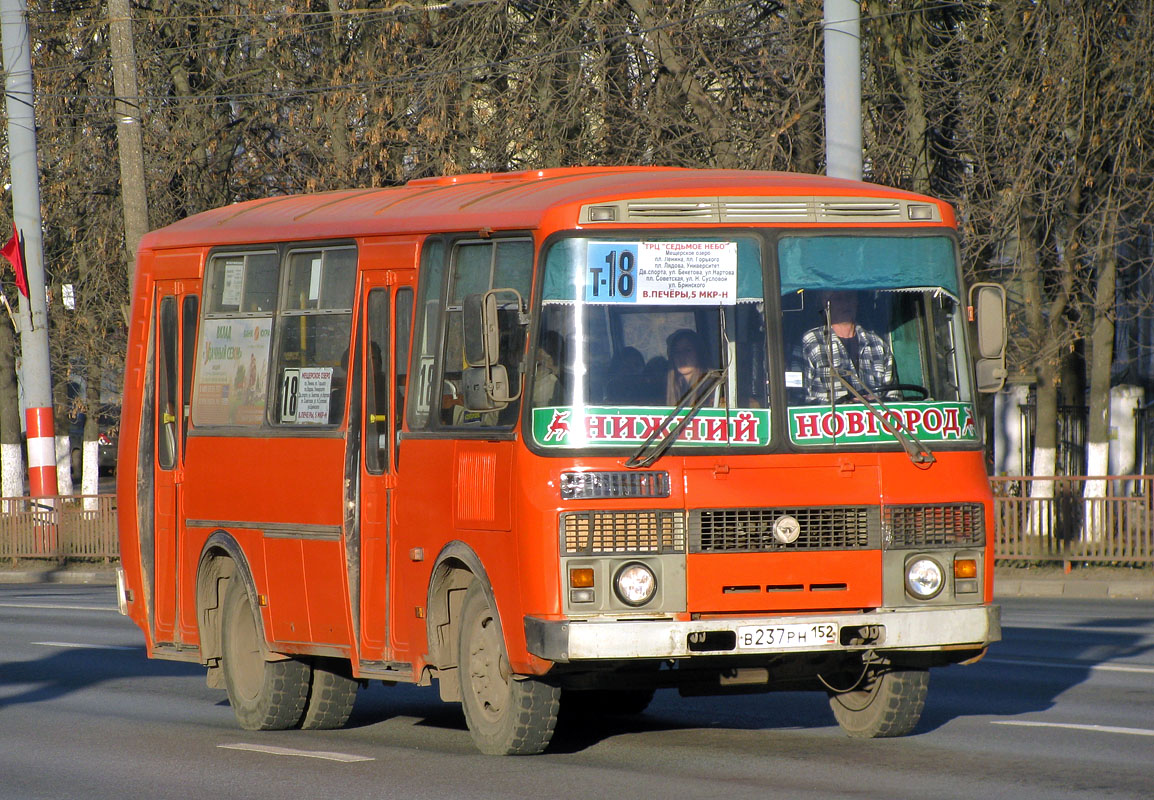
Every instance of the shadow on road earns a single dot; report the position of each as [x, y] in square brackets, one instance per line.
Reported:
[1029, 670]
[1025, 673]
[73, 669]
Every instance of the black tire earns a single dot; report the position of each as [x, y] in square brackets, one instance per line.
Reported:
[265, 695]
[506, 714]
[331, 695]
[889, 704]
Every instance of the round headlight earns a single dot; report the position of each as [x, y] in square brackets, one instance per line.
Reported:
[924, 578]
[635, 584]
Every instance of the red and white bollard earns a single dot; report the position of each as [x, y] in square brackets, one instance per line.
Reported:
[41, 452]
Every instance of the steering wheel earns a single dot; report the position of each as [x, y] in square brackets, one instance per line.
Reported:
[920, 392]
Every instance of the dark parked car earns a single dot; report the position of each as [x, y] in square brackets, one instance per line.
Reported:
[109, 424]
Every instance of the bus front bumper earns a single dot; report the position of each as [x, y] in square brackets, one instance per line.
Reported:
[927, 629]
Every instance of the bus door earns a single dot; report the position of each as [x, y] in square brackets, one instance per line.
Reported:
[176, 321]
[387, 308]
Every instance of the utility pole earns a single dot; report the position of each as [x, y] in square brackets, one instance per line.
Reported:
[842, 24]
[33, 310]
[133, 191]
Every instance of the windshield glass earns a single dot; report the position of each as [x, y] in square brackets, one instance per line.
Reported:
[881, 314]
[629, 326]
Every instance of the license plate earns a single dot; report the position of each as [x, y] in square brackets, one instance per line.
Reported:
[796, 634]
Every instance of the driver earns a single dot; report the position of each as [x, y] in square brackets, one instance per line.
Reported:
[860, 355]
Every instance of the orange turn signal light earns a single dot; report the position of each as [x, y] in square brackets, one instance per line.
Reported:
[965, 568]
[581, 578]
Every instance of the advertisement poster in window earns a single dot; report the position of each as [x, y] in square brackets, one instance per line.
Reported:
[232, 374]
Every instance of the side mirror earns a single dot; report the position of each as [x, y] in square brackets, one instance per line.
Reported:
[486, 389]
[486, 380]
[988, 312]
[482, 335]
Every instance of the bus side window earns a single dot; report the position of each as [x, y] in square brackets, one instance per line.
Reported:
[376, 383]
[229, 384]
[429, 303]
[479, 266]
[166, 385]
[401, 335]
[315, 326]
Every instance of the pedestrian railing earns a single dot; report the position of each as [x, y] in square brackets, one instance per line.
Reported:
[63, 527]
[1075, 519]
[1070, 519]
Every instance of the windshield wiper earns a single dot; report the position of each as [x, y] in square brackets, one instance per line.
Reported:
[699, 392]
[918, 453]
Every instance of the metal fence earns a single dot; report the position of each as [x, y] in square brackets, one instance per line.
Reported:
[72, 527]
[1099, 520]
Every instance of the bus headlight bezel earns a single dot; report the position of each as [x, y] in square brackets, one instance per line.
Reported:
[635, 584]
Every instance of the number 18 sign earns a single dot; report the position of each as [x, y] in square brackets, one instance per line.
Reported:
[661, 273]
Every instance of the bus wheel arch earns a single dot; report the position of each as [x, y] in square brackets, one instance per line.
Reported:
[221, 561]
[455, 568]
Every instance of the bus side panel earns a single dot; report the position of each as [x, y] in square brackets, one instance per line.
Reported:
[288, 589]
[536, 507]
[424, 526]
[135, 552]
[455, 491]
[326, 582]
[283, 501]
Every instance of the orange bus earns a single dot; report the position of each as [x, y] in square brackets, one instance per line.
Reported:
[561, 436]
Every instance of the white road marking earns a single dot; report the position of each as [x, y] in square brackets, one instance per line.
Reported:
[1074, 727]
[60, 607]
[347, 758]
[1094, 665]
[82, 646]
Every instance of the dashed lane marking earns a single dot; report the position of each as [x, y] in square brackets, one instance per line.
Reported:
[86, 646]
[346, 758]
[1097, 666]
[1075, 727]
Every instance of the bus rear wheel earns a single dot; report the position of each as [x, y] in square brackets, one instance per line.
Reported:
[331, 695]
[506, 714]
[887, 704]
[265, 695]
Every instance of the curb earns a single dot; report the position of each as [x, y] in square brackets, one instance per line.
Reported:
[101, 577]
[1081, 589]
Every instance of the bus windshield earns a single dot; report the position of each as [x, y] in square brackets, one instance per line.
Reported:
[636, 331]
[631, 328]
[873, 327]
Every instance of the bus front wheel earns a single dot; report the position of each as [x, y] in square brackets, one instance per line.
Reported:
[264, 695]
[506, 714]
[887, 704]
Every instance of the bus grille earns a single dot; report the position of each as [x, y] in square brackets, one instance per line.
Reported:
[589, 532]
[751, 530]
[948, 525]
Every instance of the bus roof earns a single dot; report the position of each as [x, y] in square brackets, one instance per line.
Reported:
[498, 201]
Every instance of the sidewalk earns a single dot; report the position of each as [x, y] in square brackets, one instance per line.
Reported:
[1099, 583]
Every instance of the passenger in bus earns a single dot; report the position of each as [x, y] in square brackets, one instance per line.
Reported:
[626, 384]
[547, 379]
[860, 355]
[687, 359]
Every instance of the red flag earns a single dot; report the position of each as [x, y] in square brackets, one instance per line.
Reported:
[14, 252]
